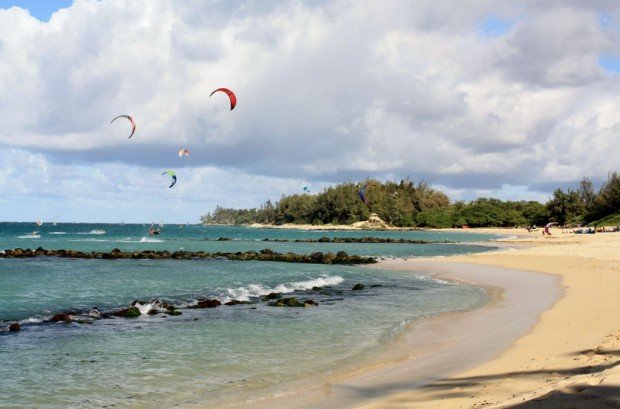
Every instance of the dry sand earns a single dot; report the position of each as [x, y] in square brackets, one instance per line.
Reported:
[571, 356]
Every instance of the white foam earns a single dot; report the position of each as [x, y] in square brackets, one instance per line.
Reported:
[144, 308]
[29, 236]
[257, 290]
[58, 232]
[95, 231]
[150, 240]
[92, 240]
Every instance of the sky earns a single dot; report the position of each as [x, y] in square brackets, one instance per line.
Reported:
[479, 98]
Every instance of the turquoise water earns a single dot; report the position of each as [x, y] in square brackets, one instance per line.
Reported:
[222, 355]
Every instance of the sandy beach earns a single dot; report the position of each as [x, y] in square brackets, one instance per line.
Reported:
[568, 359]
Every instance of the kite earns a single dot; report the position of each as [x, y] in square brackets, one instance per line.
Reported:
[174, 177]
[133, 123]
[231, 95]
[306, 189]
[183, 152]
[362, 194]
[546, 230]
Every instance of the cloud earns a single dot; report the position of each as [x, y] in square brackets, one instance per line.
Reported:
[327, 90]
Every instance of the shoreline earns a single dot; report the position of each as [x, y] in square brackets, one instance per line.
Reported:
[565, 356]
[466, 338]
[568, 358]
[431, 347]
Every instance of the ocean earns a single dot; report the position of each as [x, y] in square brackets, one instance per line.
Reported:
[215, 357]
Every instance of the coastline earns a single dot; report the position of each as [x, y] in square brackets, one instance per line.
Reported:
[568, 358]
[564, 353]
[448, 343]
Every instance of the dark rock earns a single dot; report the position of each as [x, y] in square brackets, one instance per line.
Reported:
[272, 296]
[286, 302]
[317, 257]
[310, 303]
[14, 327]
[153, 311]
[358, 286]
[63, 316]
[130, 312]
[236, 302]
[207, 304]
[174, 312]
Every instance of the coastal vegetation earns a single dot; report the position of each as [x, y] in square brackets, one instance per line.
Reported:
[406, 204]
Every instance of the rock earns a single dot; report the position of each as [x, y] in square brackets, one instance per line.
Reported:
[310, 303]
[153, 311]
[272, 296]
[14, 327]
[63, 316]
[174, 312]
[358, 286]
[316, 257]
[130, 312]
[286, 302]
[207, 304]
[236, 302]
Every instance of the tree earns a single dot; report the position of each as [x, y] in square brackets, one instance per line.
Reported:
[563, 207]
[587, 194]
[608, 199]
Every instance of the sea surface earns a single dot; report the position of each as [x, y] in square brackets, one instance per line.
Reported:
[213, 357]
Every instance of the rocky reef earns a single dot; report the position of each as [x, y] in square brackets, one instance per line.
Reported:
[340, 257]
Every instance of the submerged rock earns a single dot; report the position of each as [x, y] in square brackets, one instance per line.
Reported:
[61, 317]
[272, 296]
[207, 304]
[358, 286]
[286, 302]
[130, 312]
[14, 327]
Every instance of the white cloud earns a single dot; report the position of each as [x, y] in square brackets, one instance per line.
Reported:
[327, 91]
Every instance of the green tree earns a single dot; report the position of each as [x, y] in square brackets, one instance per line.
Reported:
[565, 206]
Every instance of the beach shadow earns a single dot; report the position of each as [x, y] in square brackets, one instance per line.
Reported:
[592, 396]
[582, 397]
[598, 351]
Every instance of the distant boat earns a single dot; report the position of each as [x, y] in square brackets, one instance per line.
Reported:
[97, 231]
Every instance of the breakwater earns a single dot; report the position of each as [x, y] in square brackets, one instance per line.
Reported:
[340, 257]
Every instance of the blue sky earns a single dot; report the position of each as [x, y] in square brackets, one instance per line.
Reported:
[40, 9]
[505, 99]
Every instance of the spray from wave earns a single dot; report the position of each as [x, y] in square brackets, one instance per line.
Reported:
[257, 290]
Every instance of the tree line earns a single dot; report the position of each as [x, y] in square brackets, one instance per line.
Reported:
[407, 204]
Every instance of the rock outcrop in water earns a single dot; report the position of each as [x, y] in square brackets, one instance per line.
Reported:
[264, 255]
